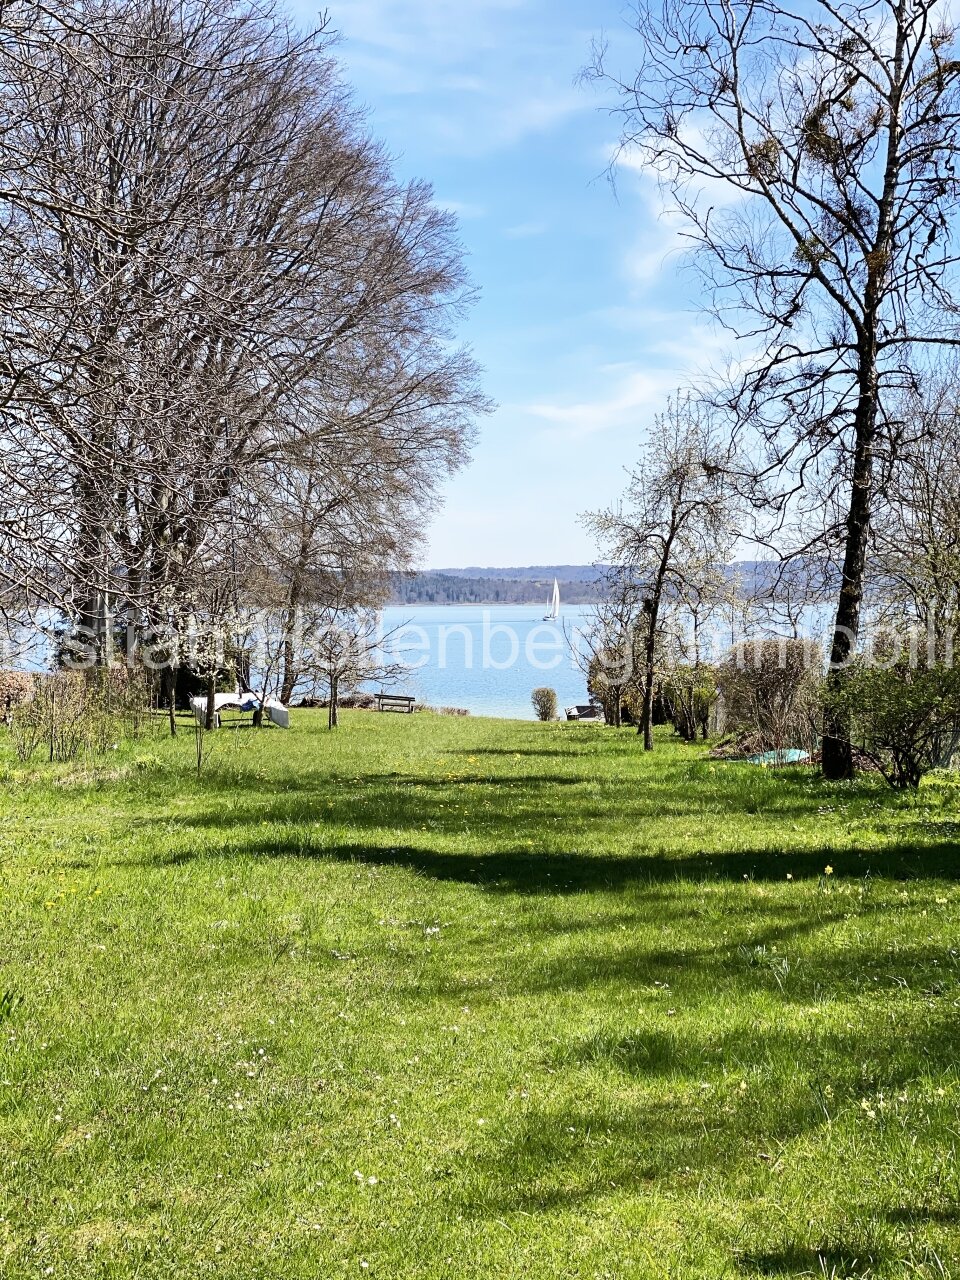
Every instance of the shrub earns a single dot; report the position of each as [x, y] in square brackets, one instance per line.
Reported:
[15, 688]
[905, 715]
[690, 694]
[74, 711]
[772, 687]
[619, 699]
[545, 703]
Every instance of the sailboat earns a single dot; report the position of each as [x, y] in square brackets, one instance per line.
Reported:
[554, 613]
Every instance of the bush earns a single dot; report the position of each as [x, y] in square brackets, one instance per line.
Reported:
[905, 715]
[772, 687]
[690, 694]
[70, 712]
[620, 700]
[15, 688]
[545, 703]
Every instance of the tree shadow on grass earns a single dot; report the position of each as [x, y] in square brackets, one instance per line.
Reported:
[838, 1261]
[797, 967]
[916, 1215]
[696, 1120]
[512, 753]
[848, 1058]
[630, 807]
[651, 935]
[529, 872]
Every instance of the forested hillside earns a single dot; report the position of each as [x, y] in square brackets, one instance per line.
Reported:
[496, 586]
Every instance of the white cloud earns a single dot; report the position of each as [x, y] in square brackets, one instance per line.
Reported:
[462, 208]
[487, 74]
[680, 351]
[441, 30]
[645, 260]
[637, 396]
[702, 191]
[525, 230]
[665, 239]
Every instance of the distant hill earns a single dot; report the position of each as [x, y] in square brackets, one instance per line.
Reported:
[579, 584]
[531, 573]
[531, 584]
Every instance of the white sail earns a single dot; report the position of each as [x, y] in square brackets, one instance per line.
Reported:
[554, 613]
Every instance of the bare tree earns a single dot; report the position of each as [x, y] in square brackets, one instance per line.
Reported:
[344, 648]
[831, 131]
[609, 646]
[345, 500]
[674, 531]
[915, 554]
[214, 297]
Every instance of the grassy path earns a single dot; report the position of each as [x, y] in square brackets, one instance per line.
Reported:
[449, 998]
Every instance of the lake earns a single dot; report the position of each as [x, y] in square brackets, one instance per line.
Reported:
[485, 659]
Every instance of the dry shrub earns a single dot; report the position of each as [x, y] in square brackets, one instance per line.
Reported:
[15, 687]
[771, 688]
[69, 712]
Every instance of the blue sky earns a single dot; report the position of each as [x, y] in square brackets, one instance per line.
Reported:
[586, 320]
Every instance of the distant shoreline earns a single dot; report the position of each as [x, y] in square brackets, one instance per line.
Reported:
[482, 604]
[532, 585]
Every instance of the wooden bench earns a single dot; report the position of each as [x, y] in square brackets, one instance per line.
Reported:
[395, 702]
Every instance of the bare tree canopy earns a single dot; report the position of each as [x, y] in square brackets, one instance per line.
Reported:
[812, 150]
[915, 545]
[226, 329]
[674, 530]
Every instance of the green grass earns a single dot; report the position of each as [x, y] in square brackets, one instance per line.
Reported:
[433, 997]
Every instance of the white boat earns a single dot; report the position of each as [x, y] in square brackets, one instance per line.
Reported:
[554, 613]
[273, 709]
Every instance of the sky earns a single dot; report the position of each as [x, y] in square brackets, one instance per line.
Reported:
[587, 318]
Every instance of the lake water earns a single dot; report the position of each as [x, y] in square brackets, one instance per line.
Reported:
[487, 660]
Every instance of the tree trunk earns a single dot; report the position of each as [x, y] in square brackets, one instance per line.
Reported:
[837, 750]
[332, 716]
[294, 596]
[211, 715]
[650, 661]
[615, 710]
[646, 718]
[289, 674]
[170, 681]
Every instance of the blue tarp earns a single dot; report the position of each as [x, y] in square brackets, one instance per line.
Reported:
[789, 755]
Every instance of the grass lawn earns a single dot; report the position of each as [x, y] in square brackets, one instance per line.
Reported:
[433, 997]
